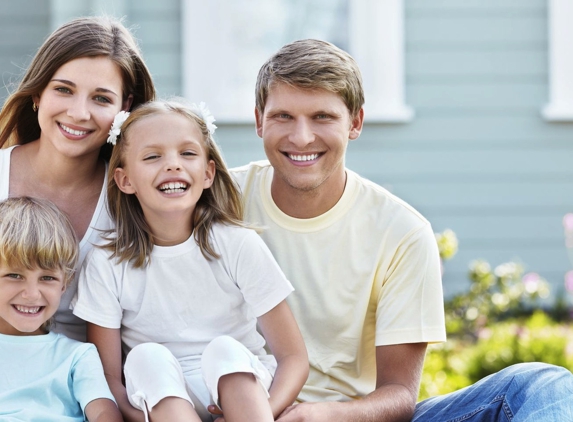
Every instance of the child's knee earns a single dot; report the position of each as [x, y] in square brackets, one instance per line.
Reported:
[148, 356]
[222, 349]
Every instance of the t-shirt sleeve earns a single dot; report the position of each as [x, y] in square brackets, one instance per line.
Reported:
[97, 300]
[410, 300]
[88, 379]
[258, 275]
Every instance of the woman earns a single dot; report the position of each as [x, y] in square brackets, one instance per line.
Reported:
[53, 128]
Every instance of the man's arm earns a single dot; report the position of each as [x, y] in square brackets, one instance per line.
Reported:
[398, 372]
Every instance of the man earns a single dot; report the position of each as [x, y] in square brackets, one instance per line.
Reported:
[364, 264]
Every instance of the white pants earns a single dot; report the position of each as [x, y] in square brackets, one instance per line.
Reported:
[152, 373]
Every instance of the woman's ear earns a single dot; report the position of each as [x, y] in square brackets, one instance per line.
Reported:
[126, 105]
[122, 181]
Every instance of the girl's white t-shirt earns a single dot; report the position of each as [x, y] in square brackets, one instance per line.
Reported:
[183, 300]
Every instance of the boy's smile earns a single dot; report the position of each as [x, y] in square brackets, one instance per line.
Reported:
[28, 299]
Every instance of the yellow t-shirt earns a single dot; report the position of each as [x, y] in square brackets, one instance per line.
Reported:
[366, 273]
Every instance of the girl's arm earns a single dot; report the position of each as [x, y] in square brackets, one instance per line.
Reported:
[281, 332]
[103, 410]
[108, 343]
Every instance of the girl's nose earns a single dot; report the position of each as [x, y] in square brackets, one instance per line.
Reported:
[173, 163]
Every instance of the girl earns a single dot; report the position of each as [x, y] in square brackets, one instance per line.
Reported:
[60, 115]
[44, 376]
[181, 271]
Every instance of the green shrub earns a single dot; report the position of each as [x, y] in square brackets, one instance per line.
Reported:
[461, 362]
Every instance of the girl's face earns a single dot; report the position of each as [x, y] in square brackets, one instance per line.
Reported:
[77, 107]
[28, 298]
[166, 166]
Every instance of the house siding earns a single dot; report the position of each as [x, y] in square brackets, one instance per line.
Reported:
[477, 158]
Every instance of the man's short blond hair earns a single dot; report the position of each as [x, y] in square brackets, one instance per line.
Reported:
[35, 233]
[312, 64]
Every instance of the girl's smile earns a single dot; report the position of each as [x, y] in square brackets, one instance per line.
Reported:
[165, 164]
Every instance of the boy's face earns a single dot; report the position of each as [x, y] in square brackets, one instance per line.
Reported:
[305, 134]
[28, 298]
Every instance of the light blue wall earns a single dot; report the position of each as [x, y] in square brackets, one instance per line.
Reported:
[477, 158]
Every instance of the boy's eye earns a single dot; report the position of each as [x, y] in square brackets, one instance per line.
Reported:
[48, 278]
[14, 275]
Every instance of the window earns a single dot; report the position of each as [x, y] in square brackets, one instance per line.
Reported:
[560, 107]
[226, 41]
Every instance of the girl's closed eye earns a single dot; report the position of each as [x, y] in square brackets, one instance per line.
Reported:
[151, 157]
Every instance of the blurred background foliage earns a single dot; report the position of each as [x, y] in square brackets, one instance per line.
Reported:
[502, 318]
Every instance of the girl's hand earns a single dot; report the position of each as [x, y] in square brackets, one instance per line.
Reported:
[284, 339]
[215, 411]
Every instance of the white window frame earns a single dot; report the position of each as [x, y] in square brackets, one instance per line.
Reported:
[376, 41]
[560, 106]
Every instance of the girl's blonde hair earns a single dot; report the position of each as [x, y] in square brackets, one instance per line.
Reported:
[100, 36]
[221, 203]
[35, 233]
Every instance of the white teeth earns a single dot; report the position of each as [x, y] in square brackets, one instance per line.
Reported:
[309, 157]
[173, 187]
[72, 131]
[27, 309]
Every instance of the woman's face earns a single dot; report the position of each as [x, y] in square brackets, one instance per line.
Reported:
[77, 107]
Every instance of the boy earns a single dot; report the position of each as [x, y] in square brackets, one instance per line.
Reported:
[43, 375]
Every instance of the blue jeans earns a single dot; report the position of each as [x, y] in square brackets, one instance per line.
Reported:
[527, 392]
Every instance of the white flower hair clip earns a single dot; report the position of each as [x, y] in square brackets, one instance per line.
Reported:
[203, 112]
[115, 130]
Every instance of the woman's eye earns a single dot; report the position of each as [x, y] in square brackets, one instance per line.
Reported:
[102, 99]
[63, 90]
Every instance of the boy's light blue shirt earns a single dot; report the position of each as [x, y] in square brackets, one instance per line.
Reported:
[48, 378]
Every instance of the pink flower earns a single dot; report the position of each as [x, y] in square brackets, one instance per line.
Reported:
[569, 281]
[568, 222]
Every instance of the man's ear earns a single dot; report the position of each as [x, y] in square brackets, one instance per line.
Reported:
[259, 122]
[209, 174]
[126, 105]
[122, 181]
[356, 125]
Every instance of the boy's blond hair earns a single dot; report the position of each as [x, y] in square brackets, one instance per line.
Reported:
[35, 233]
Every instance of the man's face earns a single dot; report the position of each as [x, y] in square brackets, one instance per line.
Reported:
[305, 133]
